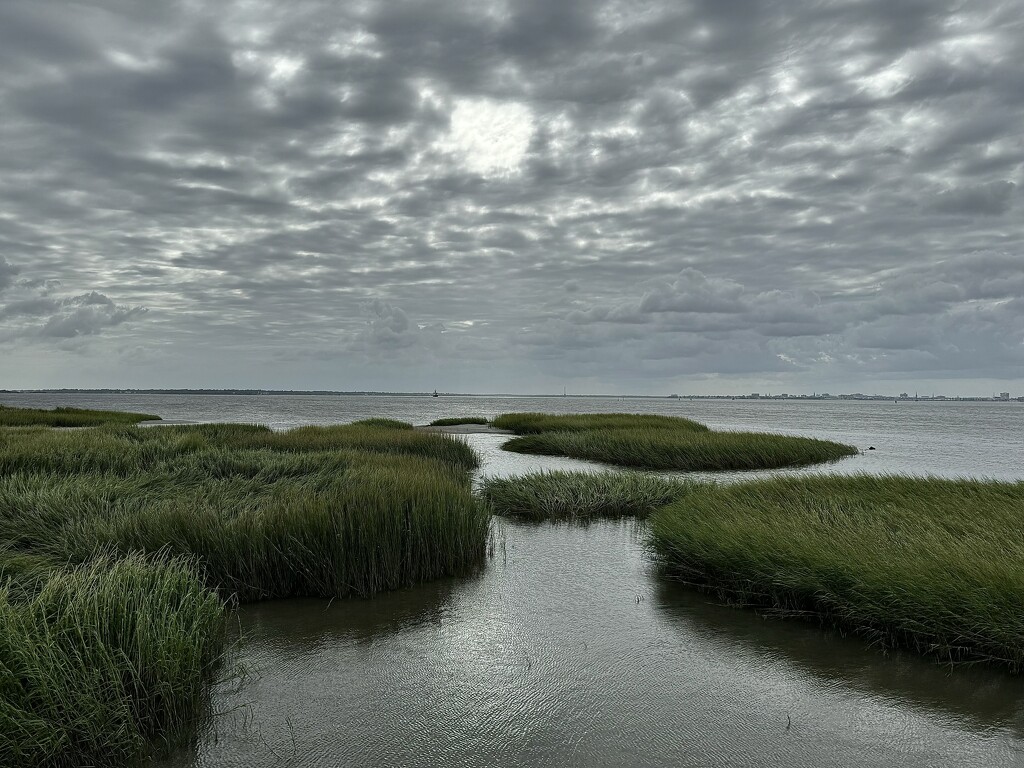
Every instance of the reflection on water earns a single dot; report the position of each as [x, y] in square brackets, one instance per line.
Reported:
[979, 698]
[568, 650]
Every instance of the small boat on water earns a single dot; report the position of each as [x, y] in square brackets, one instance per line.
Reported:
[435, 394]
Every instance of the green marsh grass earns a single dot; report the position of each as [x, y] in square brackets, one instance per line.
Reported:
[315, 512]
[380, 523]
[453, 421]
[380, 423]
[933, 565]
[685, 451]
[67, 417]
[535, 423]
[129, 451]
[119, 546]
[581, 495]
[106, 662]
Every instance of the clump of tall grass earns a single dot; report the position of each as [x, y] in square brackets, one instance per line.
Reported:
[317, 511]
[104, 661]
[22, 574]
[581, 495]
[129, 451]
[264, 522]
[535, 423]
[360, 437]
[67, 417]
[454, 421]
[380, 423]
[685, 451]
[377, 524]
[933, 565]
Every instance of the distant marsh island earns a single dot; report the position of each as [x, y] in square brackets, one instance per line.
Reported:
[661, 443]
[68, 417]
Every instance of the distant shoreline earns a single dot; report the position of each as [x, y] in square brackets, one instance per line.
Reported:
[359, 393]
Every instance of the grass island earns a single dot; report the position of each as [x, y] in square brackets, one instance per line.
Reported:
[121, 548]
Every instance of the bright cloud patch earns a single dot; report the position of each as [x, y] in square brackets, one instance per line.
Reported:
[490, 137]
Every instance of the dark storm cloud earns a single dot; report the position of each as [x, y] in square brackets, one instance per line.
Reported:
[620, 192]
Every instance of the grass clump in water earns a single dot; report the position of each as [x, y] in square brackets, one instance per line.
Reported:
[454, 421]
[118, 544]
[536, 423]
[128, 451]
[933, 565]
[661, 443]
[365, 525]
[367, 438]
[105, 661]
[318, 511]
[67, 417]
[581, 495]
[697, 451]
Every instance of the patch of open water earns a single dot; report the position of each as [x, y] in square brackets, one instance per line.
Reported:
[567, 651]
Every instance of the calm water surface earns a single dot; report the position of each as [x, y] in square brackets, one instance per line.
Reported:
[567, 650]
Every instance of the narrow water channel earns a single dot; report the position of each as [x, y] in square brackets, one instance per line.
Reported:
[568, 651]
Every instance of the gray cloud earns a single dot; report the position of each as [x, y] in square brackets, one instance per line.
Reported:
[37, 314]
[991, 199]
[513, 195]
[7, 273]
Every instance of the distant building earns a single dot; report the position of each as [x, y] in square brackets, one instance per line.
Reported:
[1004, 395]
[904, 395]
[754, 395]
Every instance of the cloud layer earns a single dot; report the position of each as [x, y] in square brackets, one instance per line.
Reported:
[501, 196]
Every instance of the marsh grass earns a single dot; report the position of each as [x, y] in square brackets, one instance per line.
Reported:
[685, 451]
[454, 421]
[321, 511]
[379, 524]
[933, 565]
[105, 662]
[380, 423]
[581, 495]
[119, 546]
[128, 451]
[536, 423]
[67, 417]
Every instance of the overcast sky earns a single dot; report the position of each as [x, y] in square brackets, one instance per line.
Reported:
[645, 197]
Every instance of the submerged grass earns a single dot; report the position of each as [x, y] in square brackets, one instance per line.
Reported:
[453, 421]
[581, 495]
[67, 417]
[933, 565]
[118, 546]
